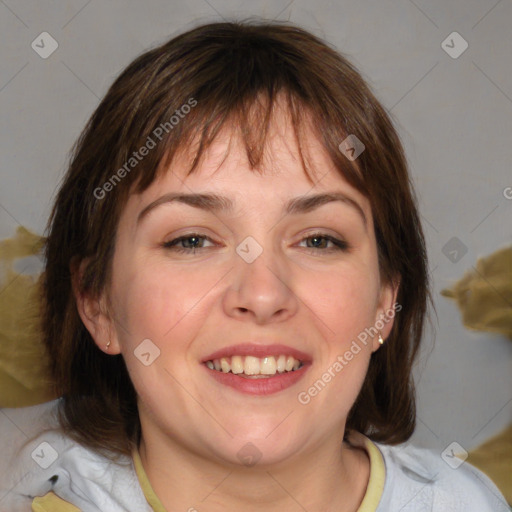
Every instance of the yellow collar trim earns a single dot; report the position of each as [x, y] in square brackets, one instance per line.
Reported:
[377, 478]
[150, 495]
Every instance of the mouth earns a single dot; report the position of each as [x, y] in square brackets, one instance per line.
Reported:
[257, 369]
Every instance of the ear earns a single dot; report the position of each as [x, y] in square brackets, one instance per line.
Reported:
[94, 312]
[387, 308]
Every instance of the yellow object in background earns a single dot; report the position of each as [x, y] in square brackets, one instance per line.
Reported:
[494, 458]
[24, 375]
[484, 294]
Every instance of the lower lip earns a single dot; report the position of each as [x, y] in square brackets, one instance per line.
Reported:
[261, 386]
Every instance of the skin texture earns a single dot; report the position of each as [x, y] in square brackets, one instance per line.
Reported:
[314, 299]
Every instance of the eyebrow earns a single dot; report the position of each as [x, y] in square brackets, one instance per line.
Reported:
[217, 203]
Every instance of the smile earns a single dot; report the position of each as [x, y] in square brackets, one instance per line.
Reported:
[257, 368]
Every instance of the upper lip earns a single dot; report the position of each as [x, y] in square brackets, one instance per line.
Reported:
[257, 350]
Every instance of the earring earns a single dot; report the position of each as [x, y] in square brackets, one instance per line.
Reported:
[381, 341]
[108, 345]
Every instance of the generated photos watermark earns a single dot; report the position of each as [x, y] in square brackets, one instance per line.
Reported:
[151, 142]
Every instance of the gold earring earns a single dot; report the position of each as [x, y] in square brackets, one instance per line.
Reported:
[108, 345]
[381, 341]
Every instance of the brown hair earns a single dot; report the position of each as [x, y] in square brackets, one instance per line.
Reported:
[220, 71]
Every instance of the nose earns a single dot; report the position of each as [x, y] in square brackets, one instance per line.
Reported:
[261, 291]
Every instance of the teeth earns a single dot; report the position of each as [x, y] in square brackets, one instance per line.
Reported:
[255, 366]
[268, 366]
[237, 364]
[224, 365]
[252, 365]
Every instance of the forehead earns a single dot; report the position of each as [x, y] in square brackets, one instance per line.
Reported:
[283, 156]
[290, 166]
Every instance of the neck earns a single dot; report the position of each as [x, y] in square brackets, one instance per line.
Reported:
[332, 476]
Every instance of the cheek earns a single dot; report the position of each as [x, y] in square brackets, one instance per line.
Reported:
[344, 303]
[344, 300]
[157, 301]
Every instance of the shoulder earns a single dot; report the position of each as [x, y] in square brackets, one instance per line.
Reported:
[39, 458]
[419, 479]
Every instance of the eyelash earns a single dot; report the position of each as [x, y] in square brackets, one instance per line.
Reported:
[339, 245]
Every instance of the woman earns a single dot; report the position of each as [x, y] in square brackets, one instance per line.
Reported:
[235, 290]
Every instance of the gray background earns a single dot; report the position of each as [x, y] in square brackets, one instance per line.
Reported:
[454, 116]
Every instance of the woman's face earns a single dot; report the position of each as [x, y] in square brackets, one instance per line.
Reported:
[266, 272]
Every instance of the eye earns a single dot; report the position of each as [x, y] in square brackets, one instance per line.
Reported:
[187, 243]
[325, 243]
[315, 243]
